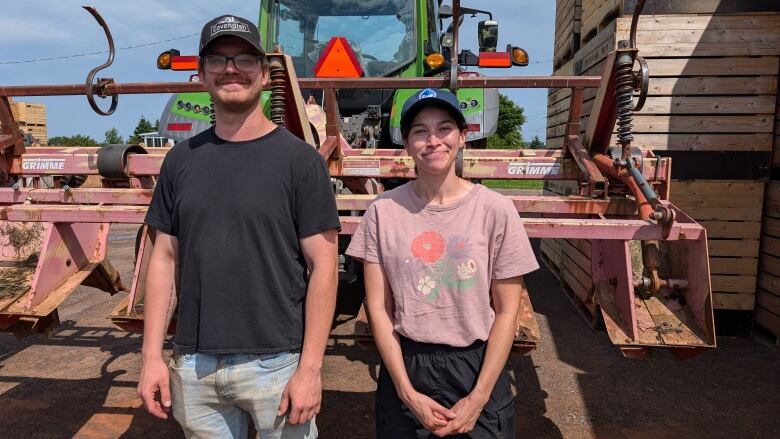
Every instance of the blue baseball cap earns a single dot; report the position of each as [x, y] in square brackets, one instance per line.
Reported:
[430, 96]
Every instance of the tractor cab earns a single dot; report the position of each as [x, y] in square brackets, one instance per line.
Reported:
[391, 38]
[381, 35]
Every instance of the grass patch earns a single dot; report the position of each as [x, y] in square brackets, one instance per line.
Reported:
[514, 184]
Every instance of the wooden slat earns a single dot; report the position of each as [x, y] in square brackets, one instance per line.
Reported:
[768, 282]
[723, 214]
[732, 229]
[715, 187]
[571, 267]
[768, 301]
[733, 284]
[709, 105]
[770, 226]
[743, 301]
[583, 245]
[760, 123]
[770, 245]
[668, 36]
[749, 48]
[706, 35]
[750, 200]
[766, 23]
[768, 321]
[730, 66]
[713, 85]
[733, 248]
[746, 266]
[576, 256]
[769, 264]
[704, 142]
[571, 281]
[773, 191]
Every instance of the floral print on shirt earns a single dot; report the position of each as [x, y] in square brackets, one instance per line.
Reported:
[442, 265]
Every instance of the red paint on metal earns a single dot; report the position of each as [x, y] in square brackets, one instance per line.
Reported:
[184, 62]
[179, 127]
[312, 83]
[495, 59]
[612, 265]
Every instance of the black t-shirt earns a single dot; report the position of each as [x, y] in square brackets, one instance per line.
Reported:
[238, 210]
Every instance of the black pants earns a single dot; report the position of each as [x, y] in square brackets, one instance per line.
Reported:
[446, 374]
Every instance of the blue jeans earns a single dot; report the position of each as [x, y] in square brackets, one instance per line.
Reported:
[214, 396]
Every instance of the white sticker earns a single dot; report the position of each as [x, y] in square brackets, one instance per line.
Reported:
[531, 168]
[38, 164]
[363, 168]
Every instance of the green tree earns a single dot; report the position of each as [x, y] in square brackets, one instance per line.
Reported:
[113, 137]
[510, 120]
[144, 126]
[536, 143]
[74, 140]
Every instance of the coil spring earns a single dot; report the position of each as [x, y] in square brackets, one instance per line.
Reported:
[624, 92]
[277, 95]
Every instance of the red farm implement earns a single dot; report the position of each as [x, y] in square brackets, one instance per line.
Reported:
[54, 230]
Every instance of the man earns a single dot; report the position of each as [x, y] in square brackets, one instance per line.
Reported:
[244, 213]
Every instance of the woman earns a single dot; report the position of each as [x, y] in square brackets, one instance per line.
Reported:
[443, 262]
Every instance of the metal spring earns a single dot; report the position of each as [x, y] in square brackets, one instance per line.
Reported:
[624, 92]
[278, 85]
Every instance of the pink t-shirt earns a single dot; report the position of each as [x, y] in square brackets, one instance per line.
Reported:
[440, 259]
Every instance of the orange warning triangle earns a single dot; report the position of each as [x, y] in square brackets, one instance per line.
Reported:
[338, 61]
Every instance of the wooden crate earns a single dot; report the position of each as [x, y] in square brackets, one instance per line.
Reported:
[713, 87]
[551, 254]
[731, 213]
[39, 132]
[768, 295]
[597, 14]
[567, 30]
[573, 260]
[558, 107]
[776, 141]
[28, 113]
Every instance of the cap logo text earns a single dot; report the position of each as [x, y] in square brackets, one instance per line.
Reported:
[229, 24]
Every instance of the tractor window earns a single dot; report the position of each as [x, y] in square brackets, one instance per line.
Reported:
[381, 33]
[289, 34]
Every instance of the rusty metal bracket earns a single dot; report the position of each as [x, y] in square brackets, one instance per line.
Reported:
[641, 83]
[330, 147]
[590, 174]
[591, 177]
[102, 83]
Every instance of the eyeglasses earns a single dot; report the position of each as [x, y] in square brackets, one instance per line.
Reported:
[217, 63]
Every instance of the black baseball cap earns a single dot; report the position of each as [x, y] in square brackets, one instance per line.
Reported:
[429, 96]
[230, 25]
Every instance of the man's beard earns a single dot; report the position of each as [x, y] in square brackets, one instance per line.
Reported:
[238, 107]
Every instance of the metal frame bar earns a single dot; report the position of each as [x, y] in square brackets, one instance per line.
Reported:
[312, 83]
[536, 165]
[561, 228]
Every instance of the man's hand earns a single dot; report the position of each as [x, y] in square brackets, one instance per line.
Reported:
[302, 396]
[155, 378]
[430, 413]
[467, 411]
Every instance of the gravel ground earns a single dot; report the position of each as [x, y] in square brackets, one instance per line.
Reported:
[81, 381]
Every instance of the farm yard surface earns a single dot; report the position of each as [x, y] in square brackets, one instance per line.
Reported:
[80, 382]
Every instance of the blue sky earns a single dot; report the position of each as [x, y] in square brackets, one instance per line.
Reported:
[61, 28]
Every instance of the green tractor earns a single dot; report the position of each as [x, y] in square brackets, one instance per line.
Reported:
[388, 38]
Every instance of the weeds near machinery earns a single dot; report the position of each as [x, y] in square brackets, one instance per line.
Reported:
[15, 279]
